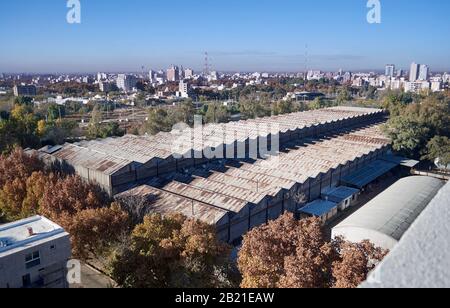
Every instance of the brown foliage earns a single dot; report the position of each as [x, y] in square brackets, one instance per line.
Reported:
[284, 253]
[172, 251]
[287, 253]
[80, 208]
[94, 230]
[15, 170]
[70, 195]
[18, 165]
[355, 262]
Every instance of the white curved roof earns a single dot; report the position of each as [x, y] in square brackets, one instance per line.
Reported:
[386, 218]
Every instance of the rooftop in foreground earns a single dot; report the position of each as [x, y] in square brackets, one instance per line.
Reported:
[422, 257]
[16, 236]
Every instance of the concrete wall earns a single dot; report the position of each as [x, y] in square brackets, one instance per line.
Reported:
[52, 267]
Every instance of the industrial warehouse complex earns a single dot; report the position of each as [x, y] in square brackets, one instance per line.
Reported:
[316, 164]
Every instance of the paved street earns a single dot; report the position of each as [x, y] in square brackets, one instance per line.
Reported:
[92, 279]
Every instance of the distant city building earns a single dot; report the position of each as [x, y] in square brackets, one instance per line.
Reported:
[314, 75]
[87, 80]
[399, 73]
[188, 73]
[33, 254]
[414, 72]
[105, 86]
[390, 70]
[436, 86]
[445, 77]
[424, 72]
[126, 83]
[152, 75]
[183, 89]
[417, 86]
[214, 76]
[173, 74]
[101, 76]
[24, 90]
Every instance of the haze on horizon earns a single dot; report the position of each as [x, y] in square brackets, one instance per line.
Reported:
[251, 35]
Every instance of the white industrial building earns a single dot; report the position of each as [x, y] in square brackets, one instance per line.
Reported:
[33, 254]
[387, 217]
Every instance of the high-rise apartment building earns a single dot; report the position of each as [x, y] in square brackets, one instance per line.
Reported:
[24, 90]
[424, 72]
[173, 74]
[188, 73]
[390, 70]
[126, 83]
[414, 72]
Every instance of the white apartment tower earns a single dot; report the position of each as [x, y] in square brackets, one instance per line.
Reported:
[414, 72]
[390, 70]
[126, 83]
[424, 72]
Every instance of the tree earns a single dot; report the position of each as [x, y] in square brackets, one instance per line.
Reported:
[172, 251]
[343, 96]
[355, 262]
[414, 125]
[70, 195]
[287, 253]
[95, 123]
[18, 165]
[15, 169]
[184, 113]
[283, 107]
[408, 135]
[216, 113]
[93, 231]
[438, 148]
[269, 253]
[157, 122]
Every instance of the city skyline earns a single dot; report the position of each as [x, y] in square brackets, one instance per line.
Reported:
[114, 37]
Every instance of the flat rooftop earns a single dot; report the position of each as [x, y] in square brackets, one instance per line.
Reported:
[15, 236]
[318, 207]
[339, 194]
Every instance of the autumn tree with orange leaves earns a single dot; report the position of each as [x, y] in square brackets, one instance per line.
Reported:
[27, 188]
[172, 251]
[287, 253]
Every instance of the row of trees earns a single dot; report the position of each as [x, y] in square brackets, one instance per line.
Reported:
[26, 125]
[419, 126]
[28, 188]
[287, 253]
[163, 119]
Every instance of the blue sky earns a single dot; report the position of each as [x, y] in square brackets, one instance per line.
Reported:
[240, 35]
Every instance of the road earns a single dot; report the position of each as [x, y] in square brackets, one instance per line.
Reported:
[92, 279]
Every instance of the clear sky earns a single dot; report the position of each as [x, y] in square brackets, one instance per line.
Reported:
[240, 35]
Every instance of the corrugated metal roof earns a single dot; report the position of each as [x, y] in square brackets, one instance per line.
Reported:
[393, 211]
[369, 173]
[339, 194]
[93, 160]
[163, 202]
[143, 149]
[319, 208]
